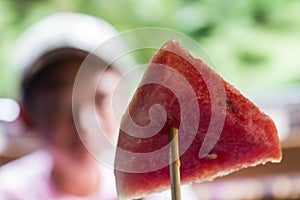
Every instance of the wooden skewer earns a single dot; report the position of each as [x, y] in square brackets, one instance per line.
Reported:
[174, 164]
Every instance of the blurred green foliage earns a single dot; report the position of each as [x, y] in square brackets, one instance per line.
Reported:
[253, 43]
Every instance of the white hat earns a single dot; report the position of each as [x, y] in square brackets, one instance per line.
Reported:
[63, 30]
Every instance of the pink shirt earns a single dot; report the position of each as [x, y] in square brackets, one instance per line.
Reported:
[29, 178]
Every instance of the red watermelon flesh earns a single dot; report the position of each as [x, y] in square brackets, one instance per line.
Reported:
[248, 137]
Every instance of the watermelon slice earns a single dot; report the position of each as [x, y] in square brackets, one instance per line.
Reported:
[247, 136]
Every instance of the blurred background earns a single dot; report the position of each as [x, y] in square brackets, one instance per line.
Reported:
[255, 45]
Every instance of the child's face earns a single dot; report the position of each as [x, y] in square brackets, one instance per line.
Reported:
[56, 120]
